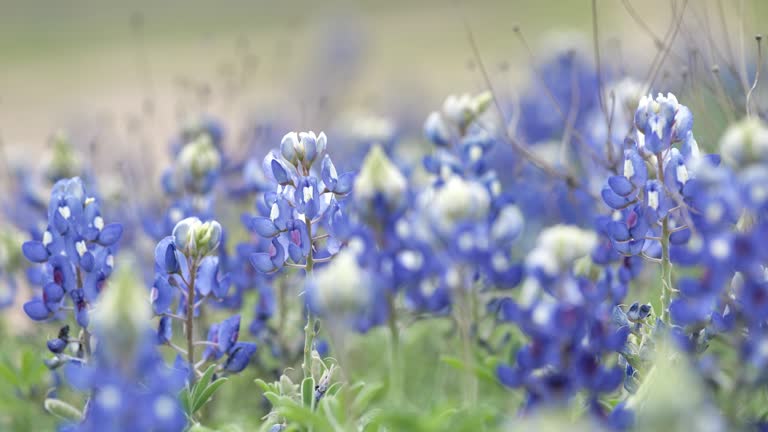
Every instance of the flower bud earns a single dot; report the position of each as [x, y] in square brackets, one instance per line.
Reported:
[436, 130]
[340, 287]
[745, 143]
[508, 225]
[380, 178]
[184, 237]
[559, 246]
[288, 147]
[458, 200]
[62, 162]
[195, 238]
[198, 163]
[302, 148]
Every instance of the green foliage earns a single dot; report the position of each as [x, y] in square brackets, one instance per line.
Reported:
[24, 383]
[63, 410]
[194, 398]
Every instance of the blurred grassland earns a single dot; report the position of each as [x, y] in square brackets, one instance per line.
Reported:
[63, 60]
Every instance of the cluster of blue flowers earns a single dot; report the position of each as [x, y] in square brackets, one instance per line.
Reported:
[75, 254]
[544, 240]
[187, 274]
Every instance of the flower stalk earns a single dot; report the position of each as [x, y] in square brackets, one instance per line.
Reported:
[309, 327]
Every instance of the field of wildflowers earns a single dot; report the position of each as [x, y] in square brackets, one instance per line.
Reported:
[581, 247]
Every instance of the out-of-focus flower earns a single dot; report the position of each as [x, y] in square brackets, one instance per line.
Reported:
[745, 143]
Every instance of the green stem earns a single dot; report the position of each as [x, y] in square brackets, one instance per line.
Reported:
[466, 313]
[190, 322]
[281, 308]
[86, 344]
[395, 367]
[309, 328]
[85, 335]
[666, 264]
[666, 271]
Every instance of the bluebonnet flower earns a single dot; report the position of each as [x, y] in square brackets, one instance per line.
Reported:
[75, 252]
[565, 72]
[187, 274]
[297, 208]
[558, 307]
[342, 290]
[651, 196]
[744, 143]
[128, 385]
[198, 163]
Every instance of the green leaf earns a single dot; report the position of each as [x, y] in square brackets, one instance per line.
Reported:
[367, 395]
[30, 364]
[184, 398]
[62, 410]
[206, 394]
[197, 427]
[203, 382]
[308, 392]
[295, 413]
[9, 375]
[264, 386]
[333, 389]
[479, 371]
[273, 398]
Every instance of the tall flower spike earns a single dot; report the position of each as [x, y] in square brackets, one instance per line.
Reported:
[75, 253]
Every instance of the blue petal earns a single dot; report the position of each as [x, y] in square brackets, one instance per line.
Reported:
[171, 262]
[240, 356]
[295, 253]
[221, 289]
[207, 275]
[53, 292]
[328, 173]
[162, 295]
[613, 200]
[35, 251]
[279, 172]
[87, 261]
[508, 376]
[60, 223]
[618, 231]
[81, 316]
[680, 237]
[57, 345]
[685, 312]
[229, 331]
[262, 262]
[263, 226]
[36, 309]
[344, 185]
[160, 251]
[110, 234]
[621, 185]
[164, 330]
